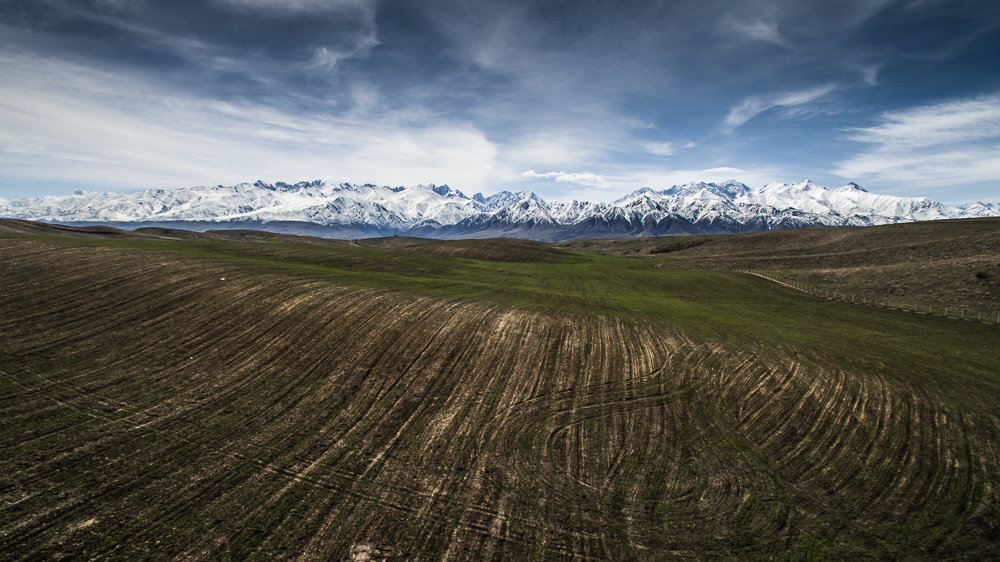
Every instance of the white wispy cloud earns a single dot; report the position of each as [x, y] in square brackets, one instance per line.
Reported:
[728, 171]
[562, 148]
[568, 177]
[757, 30]
[660, 148]
[328, 58]
[67, 122]
[948, 143]
[934, 125]
[298, 6]
[870, 74]
[755, 105]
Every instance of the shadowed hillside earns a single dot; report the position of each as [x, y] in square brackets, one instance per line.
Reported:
[15, 226]
[475, 400]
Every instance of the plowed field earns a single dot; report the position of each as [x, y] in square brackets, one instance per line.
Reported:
[475, 400]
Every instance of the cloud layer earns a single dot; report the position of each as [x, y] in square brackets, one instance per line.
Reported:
[584, 178]
[128, 94]
[63, 121]
[755, 105]
[945, 144]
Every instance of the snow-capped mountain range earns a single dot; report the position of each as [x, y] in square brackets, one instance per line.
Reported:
[349, 211]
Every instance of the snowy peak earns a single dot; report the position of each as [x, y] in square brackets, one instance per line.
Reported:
[530, 210]
[850, 200]
[506, 198]
[851, 187]
[644, 191]
[442, 211]
[313, 201]
[980, 209]
[444, 191]
[729, 190]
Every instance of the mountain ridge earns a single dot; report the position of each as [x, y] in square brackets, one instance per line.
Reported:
[440, 211]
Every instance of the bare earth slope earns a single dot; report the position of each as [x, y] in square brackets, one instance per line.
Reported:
[481, 400]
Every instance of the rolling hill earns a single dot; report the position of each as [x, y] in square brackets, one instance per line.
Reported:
[174, 395]
[951, 263]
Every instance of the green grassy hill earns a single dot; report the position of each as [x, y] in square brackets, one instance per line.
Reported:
[953, 263]
[475, 400]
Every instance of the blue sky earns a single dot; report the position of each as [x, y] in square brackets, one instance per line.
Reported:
[570, 99]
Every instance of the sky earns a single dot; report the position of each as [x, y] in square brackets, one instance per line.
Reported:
[571, 99]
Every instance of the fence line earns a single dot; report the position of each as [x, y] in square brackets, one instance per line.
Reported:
[904, 305]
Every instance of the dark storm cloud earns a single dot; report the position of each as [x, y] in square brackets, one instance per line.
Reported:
[214, 41]
[642, 52]
[583, 49]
